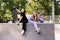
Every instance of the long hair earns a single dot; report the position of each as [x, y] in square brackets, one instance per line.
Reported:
[24, 11]
[36, 14]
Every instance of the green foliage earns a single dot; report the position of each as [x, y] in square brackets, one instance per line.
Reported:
[57, 7]
[23, 3]
[40, 5]
[30, 5]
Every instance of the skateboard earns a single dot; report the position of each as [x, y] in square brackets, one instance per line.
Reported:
[15, 18]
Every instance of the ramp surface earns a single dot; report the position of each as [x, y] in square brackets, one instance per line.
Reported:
[13, 32]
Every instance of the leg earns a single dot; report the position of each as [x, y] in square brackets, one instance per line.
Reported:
[24, 26]
[34, 24]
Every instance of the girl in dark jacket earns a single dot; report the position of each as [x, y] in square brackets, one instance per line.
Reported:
[23, 19]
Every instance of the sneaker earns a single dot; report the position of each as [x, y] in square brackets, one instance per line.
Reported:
[22, 32]
[38, 30]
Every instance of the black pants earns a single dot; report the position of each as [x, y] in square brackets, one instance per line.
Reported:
[24, 24]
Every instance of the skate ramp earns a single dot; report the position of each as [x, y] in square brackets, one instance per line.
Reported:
[13, 32]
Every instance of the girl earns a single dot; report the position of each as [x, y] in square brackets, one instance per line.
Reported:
[23, 19]
[33, 20]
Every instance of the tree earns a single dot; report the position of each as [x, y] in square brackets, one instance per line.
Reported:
[57, 7]
[40, 5]
[6, 8]
[30, 5]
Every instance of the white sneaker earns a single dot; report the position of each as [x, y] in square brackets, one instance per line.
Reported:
[22, 32]
[38, 30]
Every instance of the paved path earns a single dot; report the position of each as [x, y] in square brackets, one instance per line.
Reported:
[13, 32]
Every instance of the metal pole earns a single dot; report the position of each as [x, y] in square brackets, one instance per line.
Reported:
[53, 15]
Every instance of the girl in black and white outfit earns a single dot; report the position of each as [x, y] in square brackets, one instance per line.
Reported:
[23, 19]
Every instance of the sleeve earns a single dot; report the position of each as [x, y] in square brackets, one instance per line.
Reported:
[41, 20]
[30, 18]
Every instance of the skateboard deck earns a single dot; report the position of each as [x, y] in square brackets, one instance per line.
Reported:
[15, 18]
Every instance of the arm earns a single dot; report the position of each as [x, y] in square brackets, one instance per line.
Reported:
[20, 19]
[18, 11]
[30, 18]
[41, 19]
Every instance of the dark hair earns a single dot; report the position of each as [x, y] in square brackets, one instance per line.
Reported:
[24, 10]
